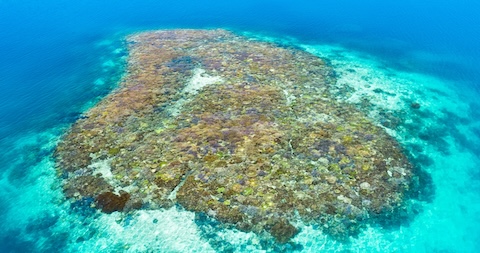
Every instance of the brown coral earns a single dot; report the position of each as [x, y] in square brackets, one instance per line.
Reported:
[110, 202]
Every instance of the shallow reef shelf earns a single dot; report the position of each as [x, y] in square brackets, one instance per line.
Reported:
[245, 132]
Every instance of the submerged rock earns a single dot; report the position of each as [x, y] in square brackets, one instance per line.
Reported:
[110, 202]
[243, 131]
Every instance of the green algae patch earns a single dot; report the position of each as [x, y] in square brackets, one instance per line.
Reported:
[243, 131]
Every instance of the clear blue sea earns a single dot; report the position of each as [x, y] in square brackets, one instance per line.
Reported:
[58, 58]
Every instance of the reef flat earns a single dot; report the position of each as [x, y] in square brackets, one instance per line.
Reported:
[243, 131]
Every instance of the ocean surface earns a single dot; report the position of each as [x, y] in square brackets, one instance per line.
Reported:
[58, 58]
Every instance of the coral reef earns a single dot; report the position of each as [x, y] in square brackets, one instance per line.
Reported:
[243, 131]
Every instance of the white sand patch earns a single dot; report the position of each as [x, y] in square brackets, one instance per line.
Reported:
[388, 90]
[146, 231]
[170, 230]
[289, 97]
[199, 80]
[103, 168]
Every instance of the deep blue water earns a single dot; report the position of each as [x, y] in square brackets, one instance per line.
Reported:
[46, 45]
[50, 56]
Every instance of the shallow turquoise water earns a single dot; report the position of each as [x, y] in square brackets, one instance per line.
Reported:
[59, 58]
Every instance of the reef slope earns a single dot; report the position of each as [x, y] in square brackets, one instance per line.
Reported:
[243, 131]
